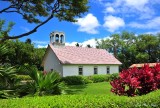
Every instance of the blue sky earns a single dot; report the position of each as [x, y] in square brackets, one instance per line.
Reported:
[105, 17]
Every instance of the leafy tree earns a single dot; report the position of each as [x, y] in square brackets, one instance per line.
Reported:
[28, 41]
[38, 55]
[20, 54]
[77, 44]
[7, 76]
[130, 49]
[127, 48]
[40, 12]
[112, 44]
[148, 47]
[89, 46]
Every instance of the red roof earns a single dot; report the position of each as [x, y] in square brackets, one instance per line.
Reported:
[142, 64]
[81, 55]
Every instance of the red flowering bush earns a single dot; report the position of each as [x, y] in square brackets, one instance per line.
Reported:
[136, 81]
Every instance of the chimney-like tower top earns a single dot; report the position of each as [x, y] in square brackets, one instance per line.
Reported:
[57, 38]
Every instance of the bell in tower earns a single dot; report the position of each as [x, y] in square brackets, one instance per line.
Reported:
[57, 38]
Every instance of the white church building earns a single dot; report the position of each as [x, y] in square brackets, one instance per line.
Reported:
[72, 60]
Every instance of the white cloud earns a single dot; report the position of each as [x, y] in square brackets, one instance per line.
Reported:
[71, 44]
[136, 3]
[92, 42]
[25, 29]
[40, 42]
[150, 24]
[152, 32]
[88, 24]
[142, 9]
[113, 23]
[109, 10]
[42, 46]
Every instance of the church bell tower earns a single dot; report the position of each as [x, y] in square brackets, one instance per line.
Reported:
[57, 38]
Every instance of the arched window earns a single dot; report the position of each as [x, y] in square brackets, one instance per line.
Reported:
[57, 38]
[61, 38]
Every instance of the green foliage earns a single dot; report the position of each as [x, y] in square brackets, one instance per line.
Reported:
[99, 78]
[7, 77]
[5, 94]
[87, 80]
[21, 54]
[23, 77]
[8, 82]
[26, 69]
[45, 84]
[131, 49]
[4, 30]
[3, 51]
[113, 76]
[102, 78]
[74, 80]
[78, 80]
[85, 101]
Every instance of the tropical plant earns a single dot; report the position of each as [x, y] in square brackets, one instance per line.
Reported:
[136, 81]
[7, 75]
[44, 84]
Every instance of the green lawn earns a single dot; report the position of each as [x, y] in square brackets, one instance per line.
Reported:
[91, 89]
[151, 100]
[94, 95]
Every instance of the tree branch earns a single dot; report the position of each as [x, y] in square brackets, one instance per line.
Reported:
[5, 9]
[56, 6]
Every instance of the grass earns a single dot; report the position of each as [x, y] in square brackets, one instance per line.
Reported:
[94, 95]
[150, 100]
[91, 89]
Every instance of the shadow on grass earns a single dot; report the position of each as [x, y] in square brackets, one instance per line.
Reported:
[75, 89]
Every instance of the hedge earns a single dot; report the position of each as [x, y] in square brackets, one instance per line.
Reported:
[78, 80]
[151, 100]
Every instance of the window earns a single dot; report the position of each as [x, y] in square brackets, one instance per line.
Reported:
[108, 70]
[95, 70]
[80, 70]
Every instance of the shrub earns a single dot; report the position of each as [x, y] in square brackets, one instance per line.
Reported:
[23, 77]
[75, 80]
[87, 80]
[78, 80]
[99, 78]
[113, 76]
[7, 77]
[150, 100]
[41, 84]
[136, 81]
[26, 69]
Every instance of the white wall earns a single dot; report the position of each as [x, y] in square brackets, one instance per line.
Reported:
[70, 70]
[52, 62]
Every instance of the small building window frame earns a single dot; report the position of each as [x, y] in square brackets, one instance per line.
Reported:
[108, 70]
[80, 70]
[95, 70]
